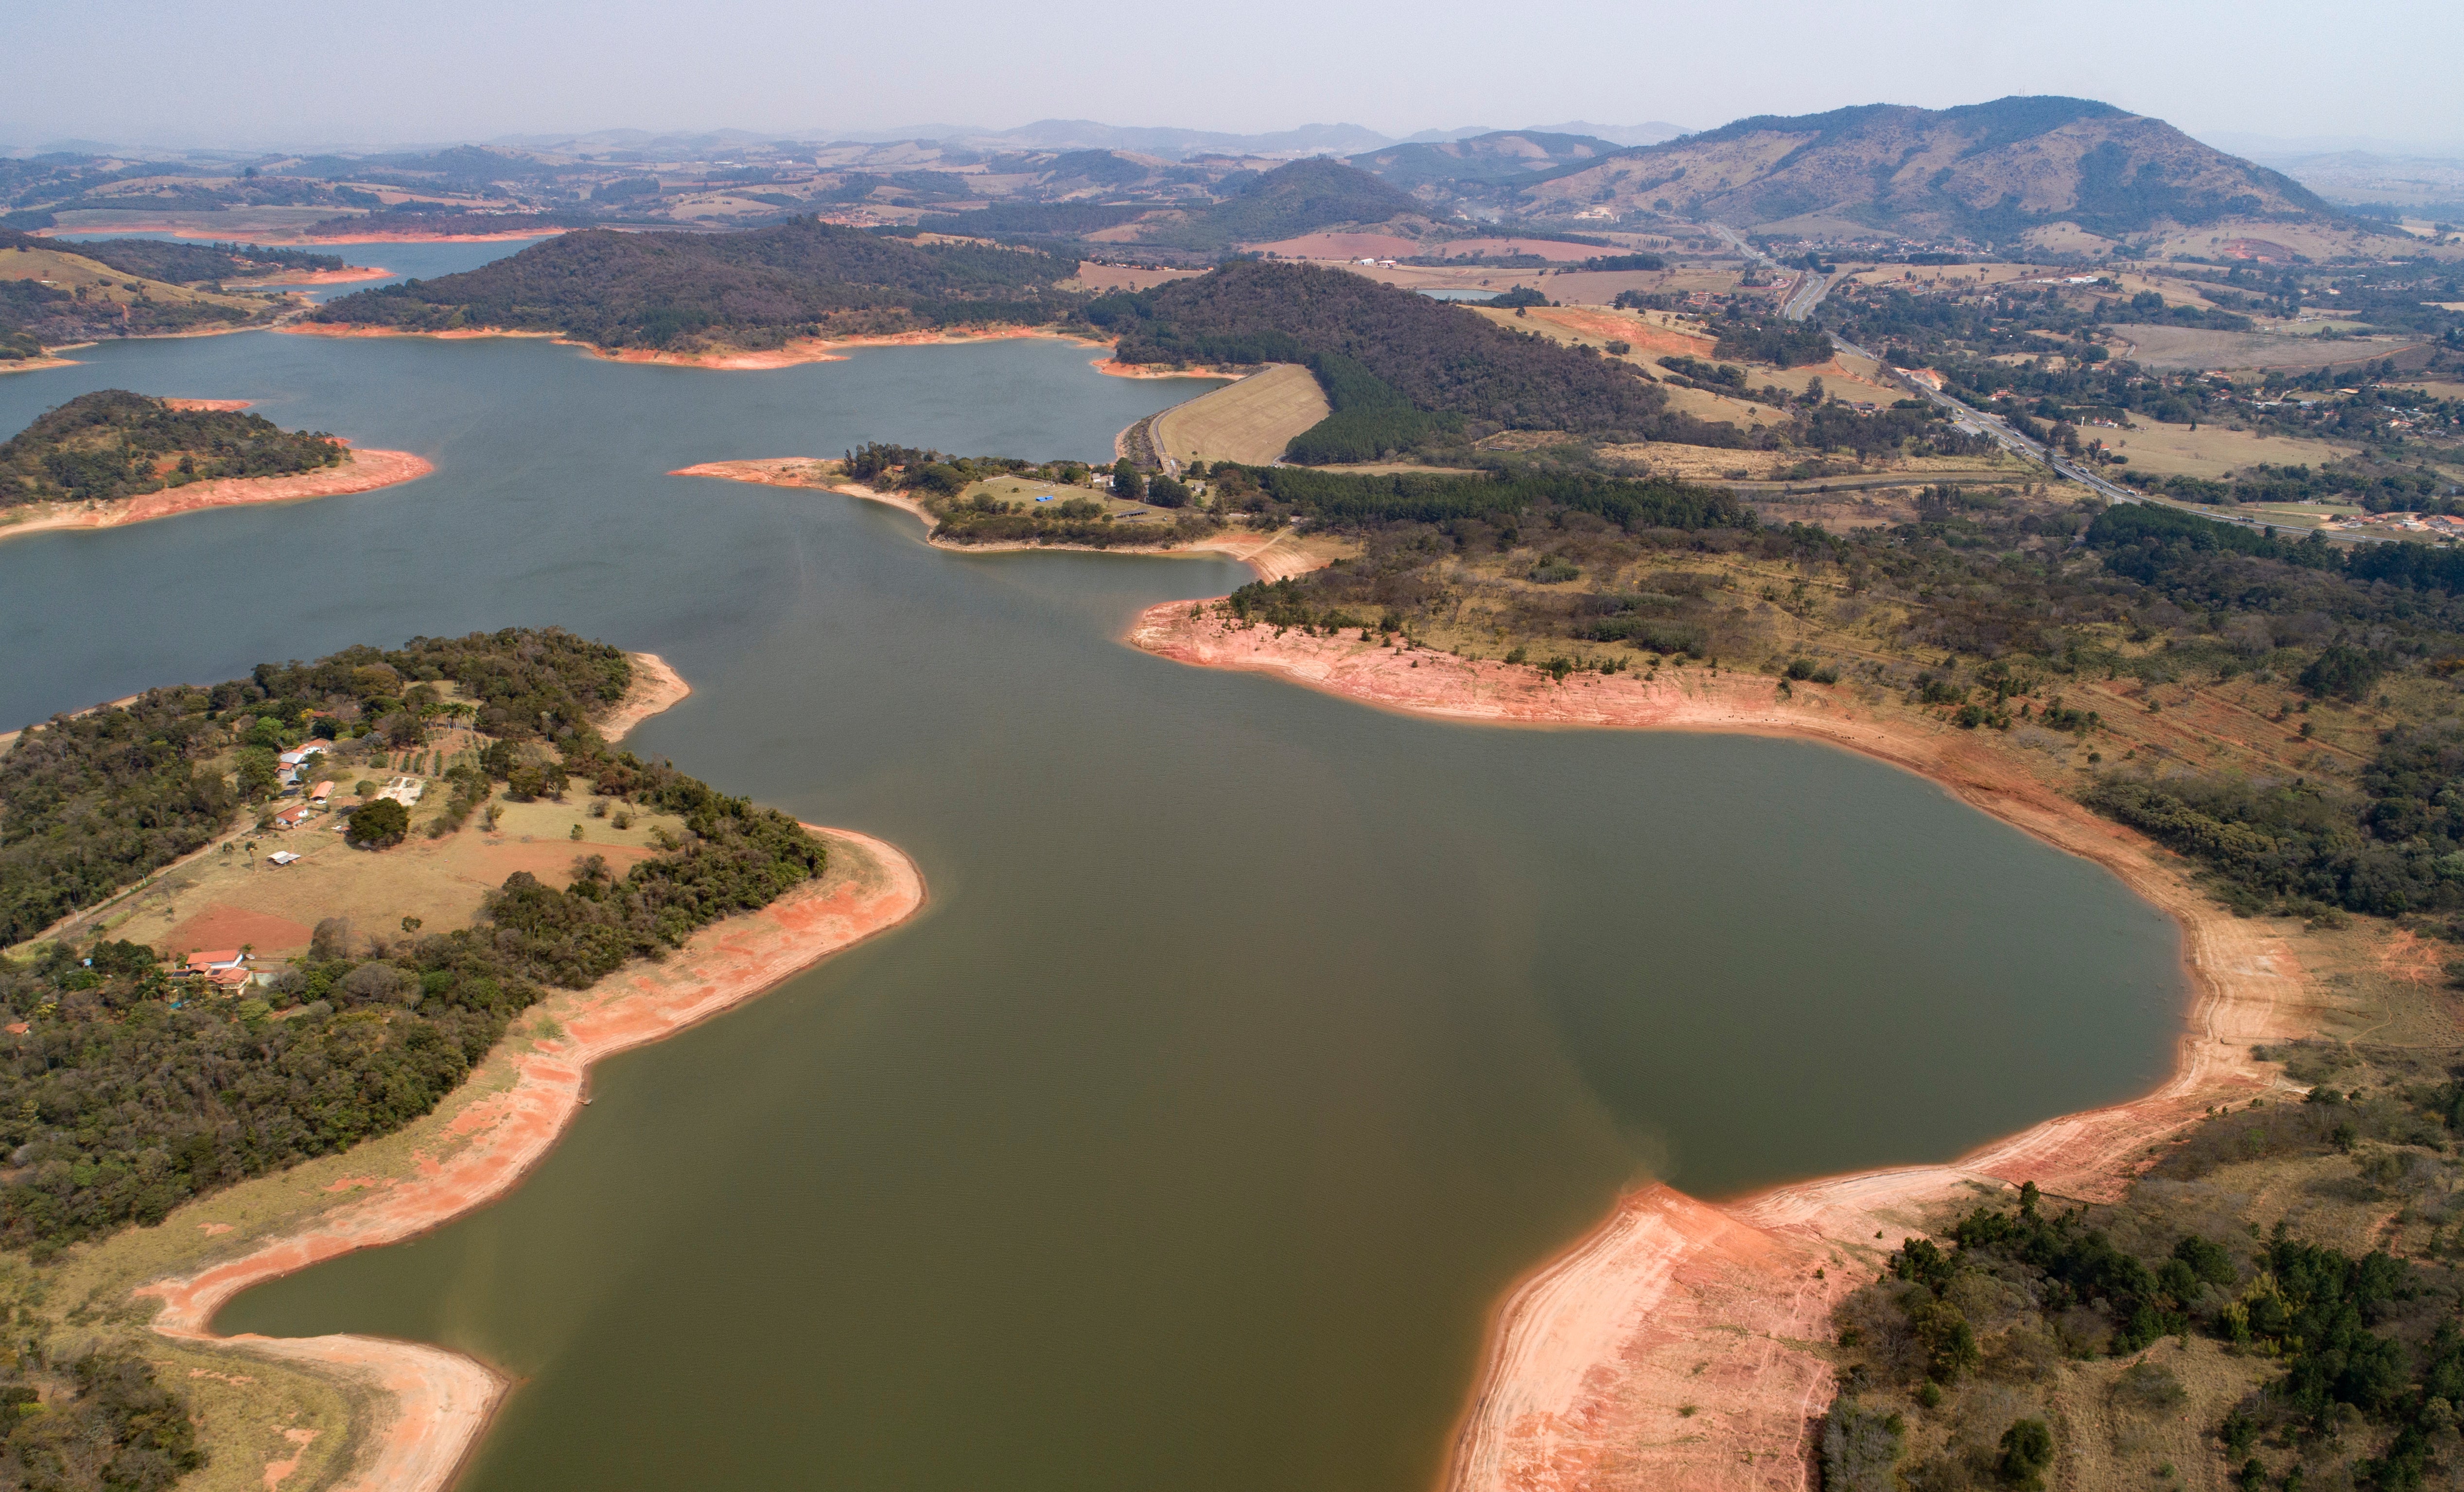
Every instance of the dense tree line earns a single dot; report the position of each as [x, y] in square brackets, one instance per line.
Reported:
[91, 803]
[1369, 421]
[2396, 844]
[1443, 358]
[752, 288]
[1350, 499]
[114, 444]
[1771, 340]
[424, 217]
[26, 304]
[184, 263]
[91, 1421]
[2375, 486]
[1035, 219]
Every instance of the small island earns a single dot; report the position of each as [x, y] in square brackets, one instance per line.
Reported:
[113, 457]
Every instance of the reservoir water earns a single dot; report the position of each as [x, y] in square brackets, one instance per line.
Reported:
[1253, 1040]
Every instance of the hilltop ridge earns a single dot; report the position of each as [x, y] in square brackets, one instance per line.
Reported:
[1989, 171]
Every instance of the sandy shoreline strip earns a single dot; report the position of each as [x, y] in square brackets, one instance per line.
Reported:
[347, 275]
[656, 687]
[1672, 1301]
[441, 1402]
[363, 471]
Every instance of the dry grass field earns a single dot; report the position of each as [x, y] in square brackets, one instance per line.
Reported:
[232, 898]
[1251, 420]
[2177, 350]
[2211, 449]
[1104, 277]
[67, 270]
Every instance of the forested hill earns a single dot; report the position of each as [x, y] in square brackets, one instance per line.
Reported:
[1441, 359]
[114, 444]
[1298, 198]
[754, 288]
[1987, 170]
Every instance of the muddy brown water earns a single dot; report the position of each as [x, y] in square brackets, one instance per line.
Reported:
[1252, 1041]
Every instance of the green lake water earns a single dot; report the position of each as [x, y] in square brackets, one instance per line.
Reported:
[1253, 1040]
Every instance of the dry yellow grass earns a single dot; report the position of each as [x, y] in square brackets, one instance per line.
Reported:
[72, 271]
[228, 900]
[1102, 278]
[1250, 422]
[2211, 449]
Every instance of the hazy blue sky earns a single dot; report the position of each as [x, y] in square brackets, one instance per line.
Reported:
[255, 72]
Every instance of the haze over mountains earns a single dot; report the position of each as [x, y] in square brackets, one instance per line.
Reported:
[2049, 175]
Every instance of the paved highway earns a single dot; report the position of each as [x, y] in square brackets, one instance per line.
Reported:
[1976, 422]
[1812, 287]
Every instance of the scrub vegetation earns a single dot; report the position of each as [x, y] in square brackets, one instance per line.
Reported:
[2193, 1319]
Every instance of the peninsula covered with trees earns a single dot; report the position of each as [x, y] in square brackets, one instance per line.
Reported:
[1436, 358]
[126, 1094]
[113, 444]
[758, 289]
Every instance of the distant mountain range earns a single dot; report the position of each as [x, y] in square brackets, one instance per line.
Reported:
[1172, 144]
[1500, 155]
[1988, 171]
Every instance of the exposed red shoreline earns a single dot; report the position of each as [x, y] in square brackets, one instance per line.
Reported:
[1673, 1301]
[363, 471]
[794, 353]
[277, 236]
[441, 1400]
